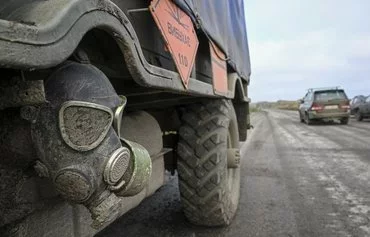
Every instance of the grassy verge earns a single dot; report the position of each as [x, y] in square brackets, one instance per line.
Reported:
[281, 104]
[254, 109]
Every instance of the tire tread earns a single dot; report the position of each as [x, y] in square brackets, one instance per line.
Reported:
[202, 173]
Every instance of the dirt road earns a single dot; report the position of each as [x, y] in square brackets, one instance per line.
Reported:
[298, 180]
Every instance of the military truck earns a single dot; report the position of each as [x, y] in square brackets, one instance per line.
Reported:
[100, 98]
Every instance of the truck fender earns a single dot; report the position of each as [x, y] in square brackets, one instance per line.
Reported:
[239, 93]
[43, 34]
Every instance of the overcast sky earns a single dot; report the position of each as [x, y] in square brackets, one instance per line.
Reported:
[298, 44]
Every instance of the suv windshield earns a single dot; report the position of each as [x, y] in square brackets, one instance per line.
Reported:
[330, 95]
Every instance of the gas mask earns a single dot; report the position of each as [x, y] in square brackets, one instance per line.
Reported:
[79, 145]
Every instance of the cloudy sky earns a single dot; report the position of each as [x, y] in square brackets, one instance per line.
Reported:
[298, 44]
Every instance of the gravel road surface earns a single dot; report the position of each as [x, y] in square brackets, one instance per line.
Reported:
[297, 180]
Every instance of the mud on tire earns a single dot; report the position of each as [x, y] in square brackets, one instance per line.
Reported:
[209, 189]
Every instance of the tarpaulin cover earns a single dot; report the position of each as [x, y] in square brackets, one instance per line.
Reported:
[224, 22]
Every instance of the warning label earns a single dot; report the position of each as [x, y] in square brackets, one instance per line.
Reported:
[179, 34]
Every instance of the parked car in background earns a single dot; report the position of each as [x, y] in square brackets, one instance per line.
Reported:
[361, 110]
[324, 104]
[355, 102]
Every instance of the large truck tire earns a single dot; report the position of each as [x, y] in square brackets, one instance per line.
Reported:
[209, 187]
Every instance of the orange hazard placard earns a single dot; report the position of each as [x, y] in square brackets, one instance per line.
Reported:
[219, 70]
[178, 32]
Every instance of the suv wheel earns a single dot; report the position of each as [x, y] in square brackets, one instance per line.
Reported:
[358, 115]
[307, 119]
[209, 188]
[300, 117]
[344, 121]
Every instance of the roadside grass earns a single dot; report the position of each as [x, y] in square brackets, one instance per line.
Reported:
[287, 105]
[254, 109]
[280, 104]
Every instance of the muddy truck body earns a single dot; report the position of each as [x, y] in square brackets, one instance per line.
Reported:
[100, 98]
